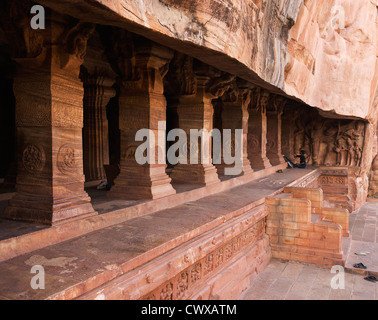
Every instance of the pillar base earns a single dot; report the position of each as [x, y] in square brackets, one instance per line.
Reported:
[39, 209]
[195, 174]
[246, 169]
[257, 162]
[136, 185]
[276, 159]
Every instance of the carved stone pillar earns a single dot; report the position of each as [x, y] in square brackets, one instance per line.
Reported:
[195, 112]
[288, 131]
[235, 116]
[49, 119]
[98, 79]
[257, 130]
[142, 105]
[274, 130]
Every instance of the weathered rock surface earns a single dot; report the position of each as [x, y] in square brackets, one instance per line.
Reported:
[332, 52]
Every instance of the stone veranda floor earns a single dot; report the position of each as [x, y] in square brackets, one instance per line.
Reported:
[282, 280]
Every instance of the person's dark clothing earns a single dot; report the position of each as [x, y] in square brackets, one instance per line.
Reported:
[301, 165]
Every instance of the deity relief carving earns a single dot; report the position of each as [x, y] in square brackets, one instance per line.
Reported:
[167, 292]
[33, 158]
[208, 265]
[329, 142]
[196, 273]
[179, 286]
[182, 284]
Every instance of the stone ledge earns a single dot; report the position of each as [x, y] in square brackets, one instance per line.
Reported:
[15, 246]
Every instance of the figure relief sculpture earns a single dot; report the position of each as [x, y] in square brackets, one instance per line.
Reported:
[355, 140]
[349, 145]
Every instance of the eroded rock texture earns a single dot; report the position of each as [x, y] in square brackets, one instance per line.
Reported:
[332, 57]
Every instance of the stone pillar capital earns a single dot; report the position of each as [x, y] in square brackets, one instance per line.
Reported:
[276, 104]
[240, 92]
[61, 46]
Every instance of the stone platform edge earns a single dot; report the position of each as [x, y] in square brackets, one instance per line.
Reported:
[172, 271]
[12, 247]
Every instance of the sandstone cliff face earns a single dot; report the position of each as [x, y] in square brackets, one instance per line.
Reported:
[332, 56]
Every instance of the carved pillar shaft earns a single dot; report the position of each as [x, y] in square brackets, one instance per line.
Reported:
[192, 87]
[49, 121]
[257, 131]
[196, 113]
[142, 105]
[274, 127]
[287, 137]
[235, 116]
[97, 93]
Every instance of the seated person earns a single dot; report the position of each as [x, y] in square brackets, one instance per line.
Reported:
[302, 164]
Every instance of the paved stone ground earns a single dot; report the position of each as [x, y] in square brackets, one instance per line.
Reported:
[296, 281]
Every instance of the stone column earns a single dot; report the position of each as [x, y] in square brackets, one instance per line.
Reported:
[235, 116]
[274, 130]
[257, 130]
[142, 105]
[288, 131]
[49, 120]
[195, 112]
[98, 79]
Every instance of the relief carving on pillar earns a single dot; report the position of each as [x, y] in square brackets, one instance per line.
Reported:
[141, 63]
[239, 90]
[33, 158]
[181, 79]
[254, 142]
[66, 161]
[261, 100]
[270, 145]
[129, 153]
[218, 85]
[75, 40]
[276, 104]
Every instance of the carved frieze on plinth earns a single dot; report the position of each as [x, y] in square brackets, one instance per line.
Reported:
[257, 130]
[49, 120]
[142, 105]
